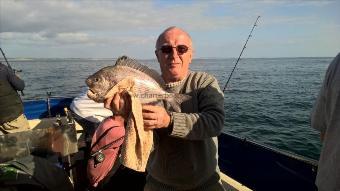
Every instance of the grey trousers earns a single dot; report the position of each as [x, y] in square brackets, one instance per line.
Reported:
[212, 184]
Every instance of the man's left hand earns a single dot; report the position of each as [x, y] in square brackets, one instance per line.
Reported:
[155, 117]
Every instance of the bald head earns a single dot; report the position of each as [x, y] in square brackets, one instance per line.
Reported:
[174, 53]
[172, 29]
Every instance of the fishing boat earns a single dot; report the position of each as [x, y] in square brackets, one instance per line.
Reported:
[245, 164]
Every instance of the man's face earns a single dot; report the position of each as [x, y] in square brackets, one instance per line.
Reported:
[172, 56]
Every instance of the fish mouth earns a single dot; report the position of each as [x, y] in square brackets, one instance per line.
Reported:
[97, 96]
[93, 95]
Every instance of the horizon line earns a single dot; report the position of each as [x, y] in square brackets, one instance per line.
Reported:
[114, 58]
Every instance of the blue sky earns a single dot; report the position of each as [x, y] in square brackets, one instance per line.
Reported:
[108, 29]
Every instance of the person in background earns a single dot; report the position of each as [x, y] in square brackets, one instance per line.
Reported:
[89, 112]
[12, 118]
[326, 119]
[88, 109]
[185, 155]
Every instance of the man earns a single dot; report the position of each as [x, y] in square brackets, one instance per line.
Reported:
[326, 119]
[12, 118]
[185, 153]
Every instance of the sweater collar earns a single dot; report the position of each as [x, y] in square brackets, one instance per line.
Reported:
[175, 84]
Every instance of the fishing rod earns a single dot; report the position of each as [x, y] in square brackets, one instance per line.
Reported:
[3, 54]
[9, 66]
[244, 47]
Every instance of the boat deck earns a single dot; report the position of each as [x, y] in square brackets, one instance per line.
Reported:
[229, 183]
[257, 166]
[232, 185]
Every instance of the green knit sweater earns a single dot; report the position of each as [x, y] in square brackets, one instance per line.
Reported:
[185, 154]
[11, 105]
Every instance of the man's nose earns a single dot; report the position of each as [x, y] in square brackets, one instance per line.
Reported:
[174, 52]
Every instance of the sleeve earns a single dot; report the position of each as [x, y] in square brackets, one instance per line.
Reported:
[89, 109]
[320, 113]
[208, 121]
[318, 117]
[17, 83]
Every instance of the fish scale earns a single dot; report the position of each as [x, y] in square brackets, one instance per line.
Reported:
[146, 83]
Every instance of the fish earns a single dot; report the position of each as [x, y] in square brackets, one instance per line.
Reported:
[129, 75]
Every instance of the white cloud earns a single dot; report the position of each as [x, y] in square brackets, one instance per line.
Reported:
[129, 23]
[66, 16]
[72, 37]
[90, 22]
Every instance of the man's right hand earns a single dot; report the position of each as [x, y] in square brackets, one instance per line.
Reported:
[119, 104]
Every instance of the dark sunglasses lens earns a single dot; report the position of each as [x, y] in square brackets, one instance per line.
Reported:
[181, 49]
[166, 49]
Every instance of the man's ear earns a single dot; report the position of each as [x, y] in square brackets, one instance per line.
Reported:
[191, 53]
[156, 55]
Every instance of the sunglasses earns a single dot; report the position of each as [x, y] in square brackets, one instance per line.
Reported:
[167, 49]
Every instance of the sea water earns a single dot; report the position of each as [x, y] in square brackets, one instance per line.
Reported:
[268, 100]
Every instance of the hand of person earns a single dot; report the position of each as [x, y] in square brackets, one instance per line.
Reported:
[155, 117]
[119, 104]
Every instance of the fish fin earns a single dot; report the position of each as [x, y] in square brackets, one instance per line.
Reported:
[129, 62]
[176, 100]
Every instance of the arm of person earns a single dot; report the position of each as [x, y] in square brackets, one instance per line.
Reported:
[322, 136]
[17, 83]
[323, 110]
[318, 117]
[207, 122]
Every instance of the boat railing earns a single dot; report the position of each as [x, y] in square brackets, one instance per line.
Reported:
[275, 150]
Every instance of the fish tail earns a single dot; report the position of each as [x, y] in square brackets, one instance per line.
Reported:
[176, 99]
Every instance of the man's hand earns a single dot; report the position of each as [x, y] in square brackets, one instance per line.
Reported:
[155, 117]
[119, 104]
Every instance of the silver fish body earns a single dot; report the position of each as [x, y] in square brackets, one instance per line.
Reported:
[147, 83]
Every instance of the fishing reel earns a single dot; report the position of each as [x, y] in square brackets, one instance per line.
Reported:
[67, 121]
[16, 71]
